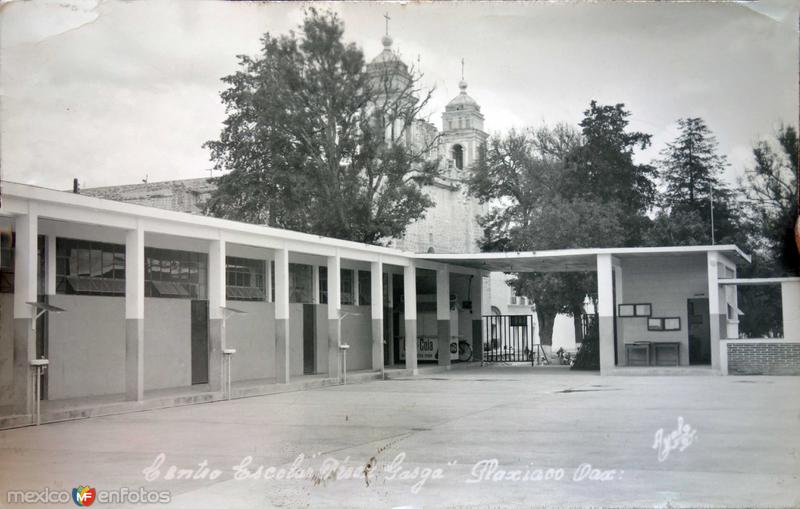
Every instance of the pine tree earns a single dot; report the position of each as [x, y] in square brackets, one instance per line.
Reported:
[691, 165]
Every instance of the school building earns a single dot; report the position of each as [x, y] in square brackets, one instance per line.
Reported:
[112, 303]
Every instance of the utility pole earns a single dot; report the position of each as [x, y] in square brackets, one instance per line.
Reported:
[711, 204]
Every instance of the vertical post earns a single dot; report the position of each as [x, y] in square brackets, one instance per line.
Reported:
[410, 298]
[605, 312]
[334, 307]
[619, 352]
[134, 314]
[216, 301]
[268, 279]
[50, 266]
[282, 334]
[25, 258]
[376, 283]
[443, 314]
[715, 310]
[390, 305]
[356, 292]
[476, 294]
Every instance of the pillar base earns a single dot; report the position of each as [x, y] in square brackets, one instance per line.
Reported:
[477, 340]
[377, 344]
[216, 333]
[443, 331]
[333, 348]
[606, 344]
[134, 359]
[282, 351]
[24, 351]
[411, 344]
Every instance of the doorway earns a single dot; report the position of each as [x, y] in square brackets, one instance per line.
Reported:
[199, 342]
[397, 299]
[699, 332]
[309, 339]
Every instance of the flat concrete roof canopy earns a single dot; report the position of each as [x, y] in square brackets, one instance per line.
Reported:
[571, 260]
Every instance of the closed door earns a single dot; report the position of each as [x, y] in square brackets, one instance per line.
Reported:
[699, 332]
[199, 342]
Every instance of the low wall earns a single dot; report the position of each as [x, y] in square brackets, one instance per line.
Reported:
[253, 337]
[167, 343]
[357, 332]
[6, 348]
[86, 346]
[760, 357]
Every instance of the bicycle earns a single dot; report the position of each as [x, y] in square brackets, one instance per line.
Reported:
[464, 350]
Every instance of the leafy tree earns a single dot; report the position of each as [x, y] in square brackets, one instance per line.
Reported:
[316, 141]
[560, 188]
[771, 188]
[601, 169]
[521, 178]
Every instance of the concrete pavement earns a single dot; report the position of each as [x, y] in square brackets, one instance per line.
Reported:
[506, 436]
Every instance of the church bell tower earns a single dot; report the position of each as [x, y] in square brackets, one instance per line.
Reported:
[462, 131]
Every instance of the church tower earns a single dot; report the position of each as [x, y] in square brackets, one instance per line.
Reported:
[462, 131]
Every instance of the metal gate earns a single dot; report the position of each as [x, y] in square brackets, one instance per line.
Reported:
[509, 338]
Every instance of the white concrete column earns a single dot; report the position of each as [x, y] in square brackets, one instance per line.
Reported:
[443, 314]
[605, 311]
[25, 274]
[790, 307]
[282, 334]
[410, 312]
[334, 310]
[50, 265]
[217, 299]
[134, 314]
[715, 311]
[315, 284]
[376, 287]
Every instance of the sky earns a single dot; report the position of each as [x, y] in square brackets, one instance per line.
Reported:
[115, 92]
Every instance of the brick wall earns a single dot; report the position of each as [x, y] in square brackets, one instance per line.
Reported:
[763, 357]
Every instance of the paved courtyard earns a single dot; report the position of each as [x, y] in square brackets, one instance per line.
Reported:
[491, 437]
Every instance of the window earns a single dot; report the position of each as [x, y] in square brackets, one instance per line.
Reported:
[175, 274]
[364, 288]
[458, 156]
[323, 285]
[6, 262]
[664, 324]
[89, 268]
[348, 298]
[629, 310]
[244, 279]
[346, 287]
[272, 281]
[300, 283]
